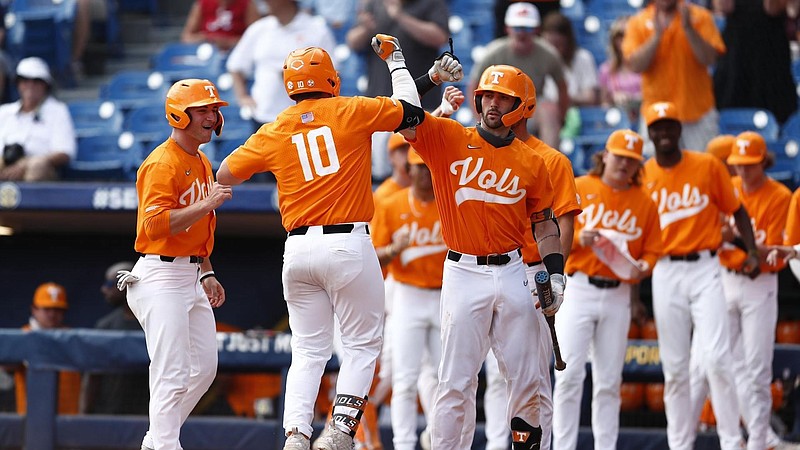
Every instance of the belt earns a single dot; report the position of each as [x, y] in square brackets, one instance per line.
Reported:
[327, 229]
[534, 263]
[500, 259]
[192, 259]
[691, 257]
[604, 283]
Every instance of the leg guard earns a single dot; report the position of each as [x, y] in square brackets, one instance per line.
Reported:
[524, 436]
[346, 422]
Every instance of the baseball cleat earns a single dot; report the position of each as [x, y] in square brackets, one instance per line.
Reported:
[333, 439]
[296, 441]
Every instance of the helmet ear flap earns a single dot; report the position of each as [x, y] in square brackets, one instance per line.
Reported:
[220, 123]
[478, 98]
[177, 118]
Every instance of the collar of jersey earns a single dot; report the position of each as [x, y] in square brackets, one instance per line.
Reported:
[496, 141]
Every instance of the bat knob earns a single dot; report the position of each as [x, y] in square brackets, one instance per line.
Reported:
[560, 365]
[541, 277]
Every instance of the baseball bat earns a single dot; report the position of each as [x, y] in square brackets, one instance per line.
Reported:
[545, 291]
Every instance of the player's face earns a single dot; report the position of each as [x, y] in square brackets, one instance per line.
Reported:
[202, 123]
[666, 135]
[666, 5]
[493, 106]
[619, 170]
[421, 177]
[48, 317]
[398, 158]
[751, 173]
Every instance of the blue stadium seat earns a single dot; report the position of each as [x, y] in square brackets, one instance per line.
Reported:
[591, 33]
[791, 128]
[148, 125]
[223, 148]
[238, 124]
[103, 158]
[736, 120]
[95, 117]
[787, 163]
[203, 59]
[600, 121]
[135, 88]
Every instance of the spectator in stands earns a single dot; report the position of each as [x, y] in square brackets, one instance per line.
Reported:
[672, 44]
[36, 131]
[261, 51]
[580, 70]
[544, 7]
[86, 12]
[118, 393]
[47, 313]
[523, 48]
[421, 25]
[619, 85]
[219, 22]
[756, 71]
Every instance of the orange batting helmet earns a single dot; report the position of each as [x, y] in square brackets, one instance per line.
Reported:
[310, 70]
[191, 93]
[530, 102]
[506, 80]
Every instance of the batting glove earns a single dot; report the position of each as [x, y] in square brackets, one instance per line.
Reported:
[557, 281]
[388, 48]
[125, 278]
[446, 68]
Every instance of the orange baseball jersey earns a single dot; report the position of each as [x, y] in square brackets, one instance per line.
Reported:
[767, 207]
[421, 263]
[485, 194]
[675, 74]
[792, 236]
[565, 201]
[319, 151]
[169, 179]
[689, 197]
[628, 212]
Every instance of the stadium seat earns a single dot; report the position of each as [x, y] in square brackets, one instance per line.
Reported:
[237, 123]
[202, 59]
[130, 89]
[791, 128]
[104, 157]
[600, 121]
[736, 120]
[95, 117]
[223, 147]
[591, 33]
[787, 163]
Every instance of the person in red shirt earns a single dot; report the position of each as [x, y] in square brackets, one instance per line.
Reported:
[219, 22]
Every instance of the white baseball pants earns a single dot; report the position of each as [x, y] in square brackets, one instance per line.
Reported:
[592, 324]
[416, 329]
[181, 339]
[688, 303]
[323, 275]
[484, 306]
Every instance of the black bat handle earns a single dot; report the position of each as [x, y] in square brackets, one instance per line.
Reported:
[545, 292]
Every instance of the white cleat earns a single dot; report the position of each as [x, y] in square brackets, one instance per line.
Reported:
[296, 441]
[425, 439]
[333, 439]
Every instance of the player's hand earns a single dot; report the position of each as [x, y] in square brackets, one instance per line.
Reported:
[557, 282]
[587, 237]
[452, 98]
[218, 194]
[751, 266]
[401, 239]
[387, 47]
[447, 68]
[125, 278]
[781, 252]
[214, 291]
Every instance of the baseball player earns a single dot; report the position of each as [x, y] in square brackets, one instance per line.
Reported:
[688, 300]
[597, 310]
[752, 301]
[488, 186]
[565, 207]
[417, 273]
[172, 286]
[325, 200]
[790, 250]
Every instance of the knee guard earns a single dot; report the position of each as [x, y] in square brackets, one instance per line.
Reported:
[346, 422]
[524, 436]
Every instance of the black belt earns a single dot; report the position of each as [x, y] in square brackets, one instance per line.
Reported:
[192, 259]
[534, 263]
[487, 260]
[327, 229]
[689, 256]
[603, 283]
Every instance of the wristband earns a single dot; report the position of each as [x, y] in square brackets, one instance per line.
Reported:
[208, 274]
[554, 262]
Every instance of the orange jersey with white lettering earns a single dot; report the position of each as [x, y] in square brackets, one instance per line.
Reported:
[689, 197]
[170, 179]
[565, 201]
[421, 263]
[792, 236]
[630, 213]
[319, 151]
[767, 207]
[485, 194]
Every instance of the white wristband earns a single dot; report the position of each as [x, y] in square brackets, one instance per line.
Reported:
[205, 275]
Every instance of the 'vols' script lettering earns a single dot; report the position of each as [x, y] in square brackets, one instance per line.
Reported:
[506, 187]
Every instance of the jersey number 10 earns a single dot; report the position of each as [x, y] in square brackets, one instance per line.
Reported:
[320, 169]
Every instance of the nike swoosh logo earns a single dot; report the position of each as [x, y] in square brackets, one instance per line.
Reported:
[473, 147]
[188, 172]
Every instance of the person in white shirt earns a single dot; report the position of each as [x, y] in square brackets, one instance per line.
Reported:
[36, 131]
[260, 53]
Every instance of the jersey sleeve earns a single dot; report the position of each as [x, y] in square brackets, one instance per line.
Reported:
[724, 194]
[541, 196]
[249, 158]
[157, 199]
[566, 199]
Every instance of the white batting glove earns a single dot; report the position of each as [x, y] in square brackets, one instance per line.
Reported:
[557, 282]
[125, 278]
[388, 48]
[446, 68]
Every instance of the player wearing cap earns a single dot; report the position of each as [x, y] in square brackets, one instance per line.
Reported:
[325, 200]
[172, 286]
[565, 207]
[752, 301]
[720, 147]
[691, 189]
[617, 243]
[47, 313]
[417, 274]
[488, 187]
